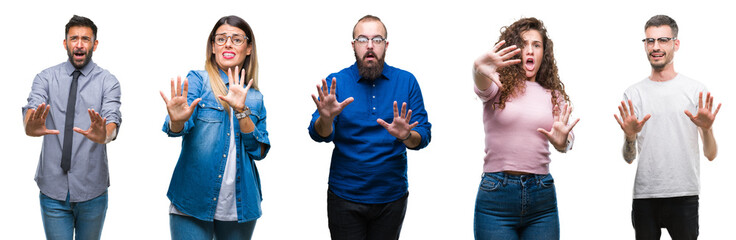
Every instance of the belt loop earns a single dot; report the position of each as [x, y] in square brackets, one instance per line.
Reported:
[505, 178]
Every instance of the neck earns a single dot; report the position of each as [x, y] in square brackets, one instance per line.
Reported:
[665, 74]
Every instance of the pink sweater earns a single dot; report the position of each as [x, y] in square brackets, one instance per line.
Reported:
[512, 140]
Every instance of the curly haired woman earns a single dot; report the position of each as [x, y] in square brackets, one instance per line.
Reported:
[522, 98]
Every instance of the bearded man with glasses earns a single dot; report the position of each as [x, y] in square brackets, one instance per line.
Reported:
[667, 184]
[368, 187]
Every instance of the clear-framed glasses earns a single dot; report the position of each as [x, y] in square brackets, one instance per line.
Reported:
[363, 40]
[237, 39]
[663, 41]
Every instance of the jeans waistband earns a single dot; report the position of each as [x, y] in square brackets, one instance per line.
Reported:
[505, 177]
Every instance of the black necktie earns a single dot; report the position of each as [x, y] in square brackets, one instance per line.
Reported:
[66, 152]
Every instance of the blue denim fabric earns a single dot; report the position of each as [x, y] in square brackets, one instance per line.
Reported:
[510, 207]
[63, 219]
[195, 184]
[368, 164]
[189, 228]
[678, 214]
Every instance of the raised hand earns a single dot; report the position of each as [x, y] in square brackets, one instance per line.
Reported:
[36, 121]
[236, 92]
[327, 104]
[560, 129]
[401, 126]
[97, 131]
[704, 117]
[179, 110]
[489, 62]
[628, 121]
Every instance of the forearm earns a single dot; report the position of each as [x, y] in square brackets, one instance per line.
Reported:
[414, 140]
[111, 132]
[483, 82]
[629, 149]
[323, 126]
[26, 117]
[246, 125]
[710, 148]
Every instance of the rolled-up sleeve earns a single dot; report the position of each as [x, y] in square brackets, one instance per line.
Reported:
[253, 141]
[111, 101]
[39, 92]
[419, 114]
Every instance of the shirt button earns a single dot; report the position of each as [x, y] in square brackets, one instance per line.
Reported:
[374, 85]
[238, 199]
[374, 108]
[214, 199]
[374, 96]
[219, 176]
[224, 155]
[228, 134]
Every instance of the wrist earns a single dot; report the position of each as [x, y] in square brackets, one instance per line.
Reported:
[407, 137]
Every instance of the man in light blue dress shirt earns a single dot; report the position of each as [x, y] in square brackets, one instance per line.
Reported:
[72, 172]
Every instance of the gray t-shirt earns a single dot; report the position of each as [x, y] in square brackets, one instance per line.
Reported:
[669, 156]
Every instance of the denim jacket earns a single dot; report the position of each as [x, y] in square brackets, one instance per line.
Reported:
[197, 177]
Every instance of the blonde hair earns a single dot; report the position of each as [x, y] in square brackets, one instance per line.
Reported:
[250, 64]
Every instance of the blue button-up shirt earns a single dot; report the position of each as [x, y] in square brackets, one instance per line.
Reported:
[195, 184]
[97, 89]
[368, 164]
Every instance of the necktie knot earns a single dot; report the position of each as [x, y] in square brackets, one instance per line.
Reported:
[76, 74]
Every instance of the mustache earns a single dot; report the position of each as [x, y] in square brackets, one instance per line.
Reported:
[369, 53]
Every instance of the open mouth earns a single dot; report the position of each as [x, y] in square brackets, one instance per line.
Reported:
[228, 55]
[369, 56]
[529, 64]
[657, 55]
[79, 54]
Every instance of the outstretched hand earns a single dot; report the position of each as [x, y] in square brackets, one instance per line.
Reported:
[179, 110]
[628, 121]
[236, 92]
[327, 104]
[705, 116]
[488, 63]
[560, 129]
[36, 121]
[97, 131]
[401, 126]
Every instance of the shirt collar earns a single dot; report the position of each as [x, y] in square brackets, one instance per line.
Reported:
[358, 78]
[85, 70]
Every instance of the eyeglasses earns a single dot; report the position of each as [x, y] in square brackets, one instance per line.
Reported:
[237, 39]
[663, 41]
[362, 40]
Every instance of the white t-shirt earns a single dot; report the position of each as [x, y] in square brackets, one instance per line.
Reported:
[669, 156]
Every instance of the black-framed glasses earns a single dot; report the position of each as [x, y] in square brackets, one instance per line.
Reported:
[663, 41]
[237, 39]
[363, 40]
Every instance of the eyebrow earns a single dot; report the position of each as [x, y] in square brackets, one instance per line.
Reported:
[370, 37]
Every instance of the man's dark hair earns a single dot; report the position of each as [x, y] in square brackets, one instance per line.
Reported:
[661, 20]
[79, 21]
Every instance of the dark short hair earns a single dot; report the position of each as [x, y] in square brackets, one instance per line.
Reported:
[79, 21]
[661, 20]
[370, 18]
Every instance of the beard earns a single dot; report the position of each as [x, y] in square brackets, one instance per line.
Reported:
[370, 72]
[660, 66]
[87, 58]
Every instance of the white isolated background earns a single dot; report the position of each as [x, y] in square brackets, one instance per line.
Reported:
[145, 43]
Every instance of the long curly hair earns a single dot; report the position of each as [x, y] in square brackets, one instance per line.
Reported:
[513, 77]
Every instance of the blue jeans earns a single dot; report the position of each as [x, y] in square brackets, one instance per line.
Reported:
[64, 219]
[190, 228]
[511, 207]
[678, 214]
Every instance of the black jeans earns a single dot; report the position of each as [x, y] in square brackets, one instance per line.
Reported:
[678, 214]
[356, 221]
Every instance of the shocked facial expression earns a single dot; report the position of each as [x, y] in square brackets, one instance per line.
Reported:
[230, 54]
[660, 53]
[531, 53]
[370, 55]
[79, 44]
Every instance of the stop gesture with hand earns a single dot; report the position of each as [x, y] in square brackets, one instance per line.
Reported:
[705, 116]
[400, 128]
[628, 121]
[560, 129]
[488, 63]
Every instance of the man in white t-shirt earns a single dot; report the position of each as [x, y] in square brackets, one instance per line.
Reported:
[676, 109]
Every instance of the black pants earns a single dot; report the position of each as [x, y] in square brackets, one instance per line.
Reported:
[356, 221]
[679, 215]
